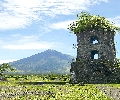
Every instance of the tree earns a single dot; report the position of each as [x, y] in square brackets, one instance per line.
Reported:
[86, 21]
[5, 67]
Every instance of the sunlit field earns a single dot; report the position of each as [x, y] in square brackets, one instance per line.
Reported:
[48, 87]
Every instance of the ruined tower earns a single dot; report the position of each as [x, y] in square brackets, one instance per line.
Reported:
[104, 47]
[89, 68]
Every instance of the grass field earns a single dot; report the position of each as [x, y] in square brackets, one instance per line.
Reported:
[48, 87]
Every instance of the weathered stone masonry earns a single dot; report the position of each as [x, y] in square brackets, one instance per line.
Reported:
[87, 68]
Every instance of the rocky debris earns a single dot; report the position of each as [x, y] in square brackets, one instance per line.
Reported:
[72, 77]
[81, 84]
[3, 78]
[110, 91]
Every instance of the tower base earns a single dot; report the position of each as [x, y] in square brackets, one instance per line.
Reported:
[94, 72]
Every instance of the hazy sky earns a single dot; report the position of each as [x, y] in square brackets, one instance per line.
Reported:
[28, 27]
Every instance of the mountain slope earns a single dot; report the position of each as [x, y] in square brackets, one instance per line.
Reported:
[44, 62]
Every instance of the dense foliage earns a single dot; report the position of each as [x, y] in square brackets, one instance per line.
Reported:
[5, 67]
[86, 21]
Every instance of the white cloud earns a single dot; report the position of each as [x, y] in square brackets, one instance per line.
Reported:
[117, 21]
[28, 42]
[20, 13]
[16, 35]
[61, 25]
[37, 45]
[22, 39]
[105, 0]
[12, 22]
[44, 28]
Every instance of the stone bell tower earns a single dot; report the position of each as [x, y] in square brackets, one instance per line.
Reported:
[93, 49]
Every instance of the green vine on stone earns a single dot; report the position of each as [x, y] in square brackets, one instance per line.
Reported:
[85, 21]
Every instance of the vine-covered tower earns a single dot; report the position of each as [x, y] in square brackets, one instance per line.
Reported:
[96, 62]
[94, 48]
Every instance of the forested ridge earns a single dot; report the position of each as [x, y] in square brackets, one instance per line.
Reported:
[44, 62]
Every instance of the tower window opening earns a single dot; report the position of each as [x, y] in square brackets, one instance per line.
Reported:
[94, 42]
[94, 54]
[93, 39]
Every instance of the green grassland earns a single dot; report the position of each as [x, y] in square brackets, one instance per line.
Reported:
[48, 87]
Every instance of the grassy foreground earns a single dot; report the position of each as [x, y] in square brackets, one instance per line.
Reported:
[47, 87]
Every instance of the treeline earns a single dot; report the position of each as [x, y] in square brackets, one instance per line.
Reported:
[51, 76]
